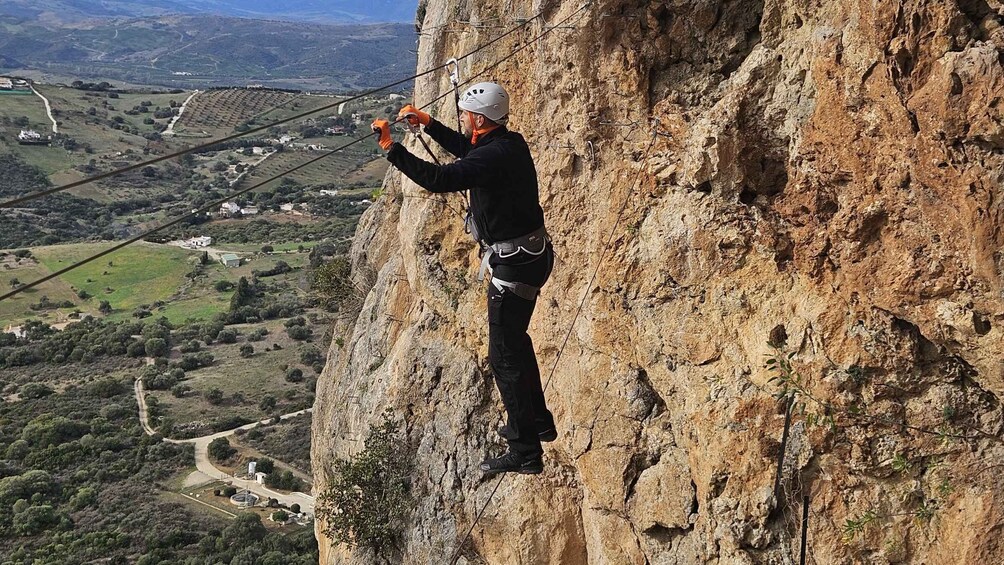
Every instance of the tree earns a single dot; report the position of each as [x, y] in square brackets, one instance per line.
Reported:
[32, 391]
[227, 336]
[247, 350]
[294, 375]
[268, 403]
[267, 248]
[104, 307]
[136, 349]
[332, 283]
[299, 333]
[35, 519]
[220, 449]
[245, 529]
[14, 283]
[214, 396]
[156, 347]
[265, 465]
[295, 508]
[367, 500]
[204, 259]
[243, 296]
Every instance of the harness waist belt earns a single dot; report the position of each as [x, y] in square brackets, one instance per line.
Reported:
[534, 243]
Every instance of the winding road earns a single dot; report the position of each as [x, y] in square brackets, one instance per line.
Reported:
[174, 120]
[208, 472]
[48, 109]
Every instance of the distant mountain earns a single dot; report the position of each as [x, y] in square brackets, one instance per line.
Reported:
[326, 11]
[201, 51]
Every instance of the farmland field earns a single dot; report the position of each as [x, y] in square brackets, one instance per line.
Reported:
[349, 168]
[141, 274]
[218, 112]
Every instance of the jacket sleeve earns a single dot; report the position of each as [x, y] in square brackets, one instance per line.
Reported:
[451, 140]
[479, 165]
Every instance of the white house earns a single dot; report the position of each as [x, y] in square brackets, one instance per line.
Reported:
[326, 192]
[229, 209]
[31, 137]
[202, 241]
[6, 84]
[18, 331]
[286, 207]
[249, 210]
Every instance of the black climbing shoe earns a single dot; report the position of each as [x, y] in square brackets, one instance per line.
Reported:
[513, 463]
[545, 436]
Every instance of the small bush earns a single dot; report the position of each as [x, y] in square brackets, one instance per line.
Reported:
[294, 375]
[220, 449]
[368, 498]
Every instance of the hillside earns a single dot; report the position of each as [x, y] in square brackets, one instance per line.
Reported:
[816, 230]
[199, 51]
[330, 11]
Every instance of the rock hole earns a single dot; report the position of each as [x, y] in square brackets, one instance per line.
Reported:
[778, 337]
[956, 85]
[981, 325]
[704, 187]
[747, 196]
[826, 209]
[718, 484]
[661, 534]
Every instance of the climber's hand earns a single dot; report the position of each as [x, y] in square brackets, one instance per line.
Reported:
[383, 128]
[414, 115]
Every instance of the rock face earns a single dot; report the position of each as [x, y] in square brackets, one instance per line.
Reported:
[827, 177]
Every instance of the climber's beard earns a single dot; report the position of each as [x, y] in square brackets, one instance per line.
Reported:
[466, 127]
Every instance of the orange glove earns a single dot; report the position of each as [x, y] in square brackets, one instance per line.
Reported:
[383, 128]
[414, 115]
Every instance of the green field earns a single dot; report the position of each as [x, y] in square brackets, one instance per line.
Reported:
[140, 274]
[28, 105]
[252, 378]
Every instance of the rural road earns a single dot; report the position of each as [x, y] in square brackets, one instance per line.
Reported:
[48, 109]
[211, 472]
[181, 111]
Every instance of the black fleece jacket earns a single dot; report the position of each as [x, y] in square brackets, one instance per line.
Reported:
[498, 171]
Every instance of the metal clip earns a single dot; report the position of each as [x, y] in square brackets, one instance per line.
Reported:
[455, 73]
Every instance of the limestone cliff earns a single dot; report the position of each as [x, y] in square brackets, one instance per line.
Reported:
[827, 177]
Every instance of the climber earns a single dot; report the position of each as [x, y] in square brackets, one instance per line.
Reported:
[506, 219]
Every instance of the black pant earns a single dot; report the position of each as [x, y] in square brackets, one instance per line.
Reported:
[511, 355]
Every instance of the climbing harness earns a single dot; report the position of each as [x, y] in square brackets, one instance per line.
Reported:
[534, 243]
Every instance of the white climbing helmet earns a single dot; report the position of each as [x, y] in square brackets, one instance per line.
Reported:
[487, 99]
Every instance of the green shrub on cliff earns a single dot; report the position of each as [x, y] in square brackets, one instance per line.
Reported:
[368, 498]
